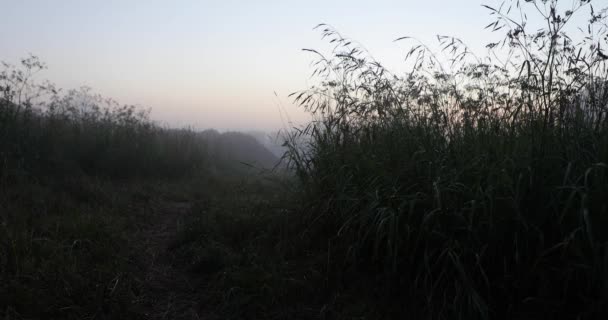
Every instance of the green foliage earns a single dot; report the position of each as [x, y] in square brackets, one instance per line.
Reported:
[469, 188]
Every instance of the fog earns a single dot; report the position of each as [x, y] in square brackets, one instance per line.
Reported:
[205, 64]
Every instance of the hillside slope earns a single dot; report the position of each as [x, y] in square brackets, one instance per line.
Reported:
[237, 152]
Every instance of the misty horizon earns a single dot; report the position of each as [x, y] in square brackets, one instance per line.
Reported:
[204, 65]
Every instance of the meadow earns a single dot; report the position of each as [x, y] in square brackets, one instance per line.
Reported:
[467, 188]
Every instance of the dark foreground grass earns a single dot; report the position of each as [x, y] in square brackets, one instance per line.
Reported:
[64, 251]
[250, 245]
[77, 248]
[469, 188]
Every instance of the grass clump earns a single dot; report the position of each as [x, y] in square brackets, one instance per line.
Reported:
[469, 187]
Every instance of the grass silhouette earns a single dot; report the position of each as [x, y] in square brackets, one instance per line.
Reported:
[470, 187]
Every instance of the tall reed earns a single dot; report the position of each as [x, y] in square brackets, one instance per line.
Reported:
[470, 187]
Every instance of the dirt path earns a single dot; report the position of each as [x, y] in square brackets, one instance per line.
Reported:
[167, 291]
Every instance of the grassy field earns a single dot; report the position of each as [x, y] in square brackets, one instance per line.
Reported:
[468, 188]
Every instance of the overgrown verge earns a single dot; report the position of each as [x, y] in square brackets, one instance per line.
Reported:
[78, 175]
[46, 133]
[470, 187]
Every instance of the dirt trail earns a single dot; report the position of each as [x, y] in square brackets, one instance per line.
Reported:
[167, 291]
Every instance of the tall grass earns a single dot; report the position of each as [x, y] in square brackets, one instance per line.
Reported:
[75, 177]
[469, 187]
[47, 132]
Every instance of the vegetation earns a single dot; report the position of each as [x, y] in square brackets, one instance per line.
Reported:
[468, 188]
[47, 133]
[81, 178]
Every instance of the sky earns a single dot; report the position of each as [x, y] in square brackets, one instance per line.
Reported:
[216, 64]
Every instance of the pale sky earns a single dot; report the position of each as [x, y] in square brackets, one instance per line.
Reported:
[215, 64]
